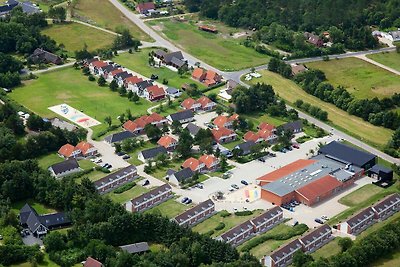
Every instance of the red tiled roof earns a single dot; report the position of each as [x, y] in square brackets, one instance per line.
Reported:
[99, 64]
[208, 160]
[264, 133]
[166, 141]
[66, 150]
[156, 117]
[209, 82]
[130, 126]
[203, 101]
[266, 126]
[211, 75]
[90, 262]
[191, 163]
[221, 132]
[234, 117]
[84, 146]
[220, 121]
[141, 121]
[146, 6]
[155, 91]
[114, 72]
[133, 79]
[188, 103]
[319, 187]
[286, 170]
[251, 136]
[197, 73]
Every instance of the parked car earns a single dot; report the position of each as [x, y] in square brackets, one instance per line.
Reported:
[318, 220]
[244, 182]
[126, 157]
[283, 150]
[147, 182]
[154, 77]
[262, 159]
[7, 90]
[109, 166]
[184, 199]
[296, 146]
[235, 186]
[1, 237]
[105, 165]
[120, 153]
[295, 223]
[324, 217]
[99, 160]
[200, 186]
[188, 201]
[272, 154]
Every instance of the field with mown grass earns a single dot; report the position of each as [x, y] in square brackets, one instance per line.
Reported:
[103, 14]
[360, 78]
[290, 91]
[169, 208]
[135, 191]
[219, 50]
[74, 36]
[391, 59]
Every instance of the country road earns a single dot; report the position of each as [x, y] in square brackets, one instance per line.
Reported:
[160, 41]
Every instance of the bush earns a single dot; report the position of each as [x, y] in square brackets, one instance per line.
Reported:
[220, 226]
[91, 78]
[244, 213]
[124, 188]
[224, 214]
[101, 169]
[209, 233]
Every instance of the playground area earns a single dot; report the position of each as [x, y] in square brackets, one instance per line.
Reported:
[250, 193]
[74, 115]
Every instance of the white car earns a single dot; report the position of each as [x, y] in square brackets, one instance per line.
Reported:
[324, 217]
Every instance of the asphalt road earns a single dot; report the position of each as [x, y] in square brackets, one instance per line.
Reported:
[160, 41]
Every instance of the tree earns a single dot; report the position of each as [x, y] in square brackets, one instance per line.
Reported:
[125, 40]
[121, 118]
[152, 132]
[117, 147]
[162, 158]
[16, 124]
[122, 91]
[219, 110]
[54, 241]
[36, 123]
[57, 13]
[101, 81]
[176, 127]
[108, 120]
[223, 164]
[165, 128]
[185, 143]
[113, 85]
[301, 259]
[86, 71]
[83, 54]
[135, 98]
[345, 243]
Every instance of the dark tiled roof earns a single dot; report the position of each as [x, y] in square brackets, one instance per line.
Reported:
[379, 168]
[109, 68]
[266, 215]
[346, 153]
[172, 90]
[118, 137]
[54, 219]
[168, 57]
[360, 216]
[285, 250]
[25, 212]
[293, 125]
[182, 115]
[68, 165]
[154, 192]
[115, 175]
[193, 128]
[310, 237]
[160, 53]
[193, 211]
[29, 8]
[144, 84]
[123, 75]
[136, 248]
[45, 55]
[178, 62]
[246, 146]
[184, 174]
[153, 152]
[386, 202]
[236, 230]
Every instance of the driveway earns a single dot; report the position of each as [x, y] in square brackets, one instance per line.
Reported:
[204, 117]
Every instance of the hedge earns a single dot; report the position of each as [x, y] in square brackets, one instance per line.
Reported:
[124, 188]
[220, 226]
[244, 213]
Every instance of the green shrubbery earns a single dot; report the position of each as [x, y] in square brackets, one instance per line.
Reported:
[244, 213]
[220, 226]
[224, 214]
[124, 188]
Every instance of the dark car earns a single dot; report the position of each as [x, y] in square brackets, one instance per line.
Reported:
[120, 153]
[244, 182]
[7, 90]
[154, 77]
[147, 182]
[109, 166]
[235, 186]
[318, 220]
[184, 199]
[261, 159]
[126, 157]
[188, 201]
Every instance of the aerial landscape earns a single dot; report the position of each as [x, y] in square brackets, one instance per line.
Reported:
[221, 133]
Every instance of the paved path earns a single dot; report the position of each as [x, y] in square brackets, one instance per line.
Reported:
[363, 57]
[69, 64]
[94, 27]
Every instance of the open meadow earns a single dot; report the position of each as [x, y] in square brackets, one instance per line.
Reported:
[219, 50]
[103, 14]
[74, 36]
[391, 59]
[360, 78]
[290, 91]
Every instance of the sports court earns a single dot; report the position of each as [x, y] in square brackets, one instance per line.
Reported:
[74, 115]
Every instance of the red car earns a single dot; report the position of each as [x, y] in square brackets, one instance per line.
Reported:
[296, 146]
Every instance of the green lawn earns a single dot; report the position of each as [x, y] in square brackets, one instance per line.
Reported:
[360, 78]
[41, 209]
[330, 249]
[360, 195]
[139, 62]
[70, 86]
[230, 222]
[48, 160]
[135, 191]
[161, 171]
[74, 36]
[46, 263]
[290, 91]
[169, 208]
[231, 145]
[93, 11]
[391, 59]
[219, 50]
[134, 154]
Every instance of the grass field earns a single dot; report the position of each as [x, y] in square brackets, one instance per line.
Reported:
[113, 19]
[48, 160]
[70, 86]
[74, 36]
[290, 91]
[218, 50]
[139, 62]
[360, 195]
[230, 222]
[169, 208]
[135, 191]
[391, 59]
[41, 209]
[389, 261]
[46, 263]
[330, 249]
[360, 78]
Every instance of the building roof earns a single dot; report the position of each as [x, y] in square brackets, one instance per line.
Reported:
[155, 91]
[193, 211]
[266, 126]
[144, 84]
[251, 136]
[286, 170]
[386, 202]
[33, 220]
[90, 262]
[54, 219]
[293, 125]
[29, 8]
[236, 230]
[188, 103]
[67, 165]
[45, 55]
[154, 192]
[265, 133]
[208, 160]
[346, 154]
[160, 53]
[66, 150]
[198, 73]
[221, 120]
[360, 216]
[319, 187]
[191, 163]
[266, 215]
[166, 141]
[246, 146]
[231, 84]
[109, 68]
[211, 75]
[63, 125]
[183, 174]
[193, 128]
[204, 101]
[143, 7]
[178, 62]
[114, 176]
[123, 75]
[172, 91]
[298, 68]
[133, 80]
[84, 146]
[153, 152]
[118, 137]
[99, 63]
[379, 168]
[130, 126]
[315, 234]
[181, 115]
[116, 71]
[169, 57]
[136, 247]
[285, 250]
[221, 132]
[25, 212]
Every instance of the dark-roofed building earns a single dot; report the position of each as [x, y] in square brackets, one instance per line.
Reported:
[267, 220]
[316, 238]
[387, 207]
[196, 214]
[193, 129]
[149, 199]
[283, 256]
[118, 137]
[136, 248]
[39, 225]
[238, 234]
[90, 262]
[173, 59]
[358, 222]
[182, 116]
[144, 8]
[381, 174]
[348, 155]
[116, 179]
[141, 86]
[65, 168]
[5, 9]
[245, 147]
[27, 7]
[180, 176]
[43, 56]
[173, 92]
[294, 126]
[151, 153]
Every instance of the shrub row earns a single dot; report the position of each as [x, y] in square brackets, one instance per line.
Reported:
[124, 188]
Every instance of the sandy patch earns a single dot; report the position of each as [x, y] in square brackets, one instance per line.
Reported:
[74, 115]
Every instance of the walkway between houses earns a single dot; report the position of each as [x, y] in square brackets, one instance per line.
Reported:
[364, 57]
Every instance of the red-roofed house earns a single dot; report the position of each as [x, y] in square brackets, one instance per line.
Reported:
[154, 93]
[190, 103]
[143, 8]
[266, 126]
[206, 103]
[209, 77]
[317, 190]
[211, 162]
[252, 136]
[90, 262]
[168, 142]
[267, 135]
[223, 135]
[137, 126]
[132, 127]
[198, 74]
[87, 149]
[111, 75]
[69, 151]
[194, 164]
[225, 121]
[130, 83]
[95, 65]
